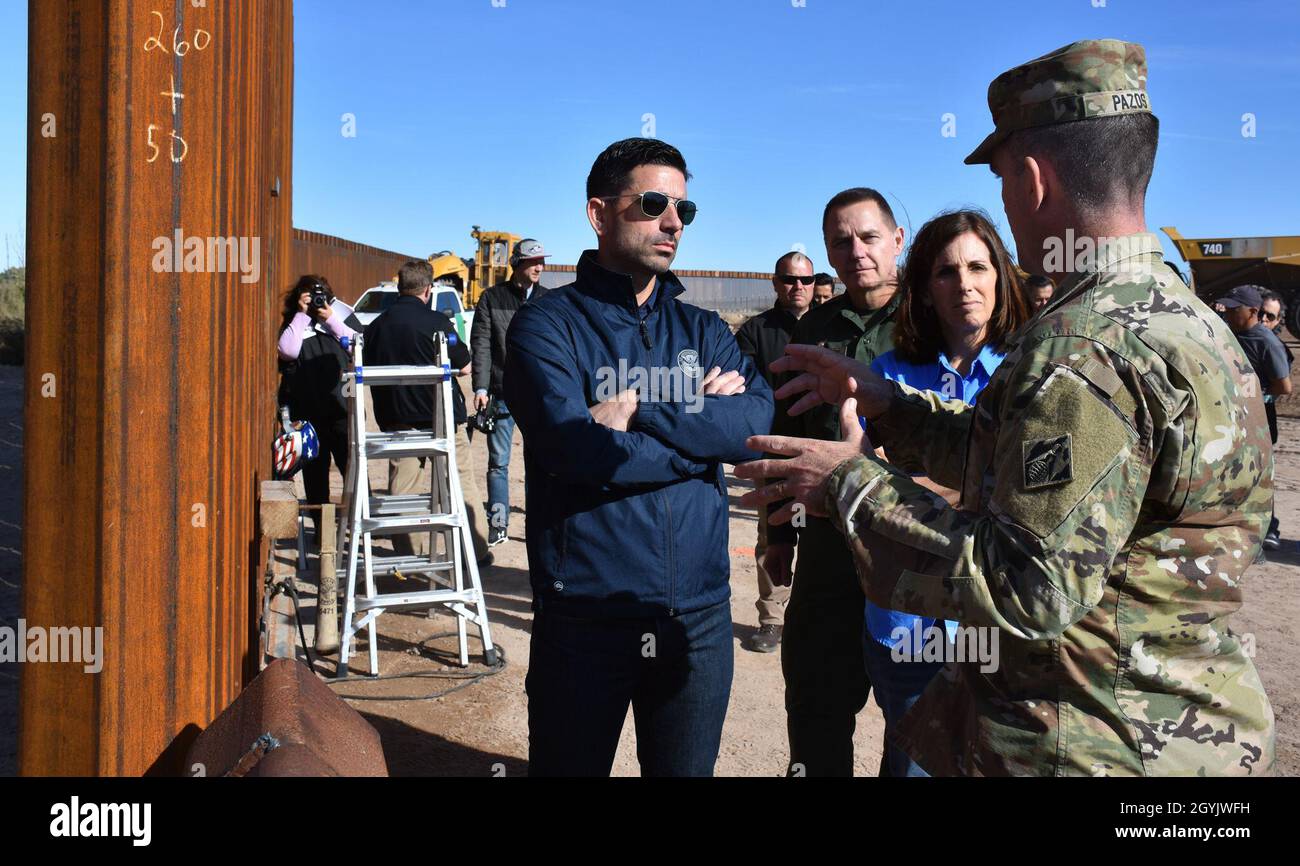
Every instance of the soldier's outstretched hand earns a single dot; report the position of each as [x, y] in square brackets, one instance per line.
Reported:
[824, 376]
[802, 477]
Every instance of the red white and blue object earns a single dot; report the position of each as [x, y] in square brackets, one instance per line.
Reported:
[294, 447]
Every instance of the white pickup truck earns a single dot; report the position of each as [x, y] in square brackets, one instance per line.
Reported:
[445, 299]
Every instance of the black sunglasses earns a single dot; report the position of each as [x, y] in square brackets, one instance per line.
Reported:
[653, 204]
[789, 279]
[1268, 316]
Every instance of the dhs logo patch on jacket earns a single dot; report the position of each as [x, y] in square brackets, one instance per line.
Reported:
[627, 523]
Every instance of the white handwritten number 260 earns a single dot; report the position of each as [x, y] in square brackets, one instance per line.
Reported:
[180, 47]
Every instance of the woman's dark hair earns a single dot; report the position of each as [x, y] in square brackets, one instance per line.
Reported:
[306, 283]
[917, 335]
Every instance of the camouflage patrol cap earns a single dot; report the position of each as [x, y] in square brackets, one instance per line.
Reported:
[1083, 80]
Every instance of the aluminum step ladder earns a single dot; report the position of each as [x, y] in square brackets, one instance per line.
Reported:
[439, 513]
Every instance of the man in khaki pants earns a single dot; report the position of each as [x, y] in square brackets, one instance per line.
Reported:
[403, 335]
[763, 339]
[405, 475]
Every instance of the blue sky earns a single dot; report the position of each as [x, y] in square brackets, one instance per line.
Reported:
[470, 113]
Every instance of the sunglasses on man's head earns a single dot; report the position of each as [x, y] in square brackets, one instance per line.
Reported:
[790, 279]
[653, 204]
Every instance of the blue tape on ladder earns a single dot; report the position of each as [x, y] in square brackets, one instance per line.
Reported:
[359, 377]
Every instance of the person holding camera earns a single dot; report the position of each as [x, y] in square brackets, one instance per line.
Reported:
[312, 361]
[492, 316]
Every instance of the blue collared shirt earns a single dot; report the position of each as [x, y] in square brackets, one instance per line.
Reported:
[940, 377]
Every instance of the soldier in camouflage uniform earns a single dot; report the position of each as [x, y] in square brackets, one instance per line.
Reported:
[1115, 475]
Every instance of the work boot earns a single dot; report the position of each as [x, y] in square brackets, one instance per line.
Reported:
[766, 639]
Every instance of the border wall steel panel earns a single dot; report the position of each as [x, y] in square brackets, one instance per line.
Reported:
[350, 267]
[149, 392]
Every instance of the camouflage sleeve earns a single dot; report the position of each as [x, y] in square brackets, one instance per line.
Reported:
[924, 434]
[784, 424]
[1064, 484]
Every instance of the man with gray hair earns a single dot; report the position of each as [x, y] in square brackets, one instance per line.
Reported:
[763, 339]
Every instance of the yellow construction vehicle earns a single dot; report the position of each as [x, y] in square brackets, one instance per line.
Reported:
[470, 277]
[1220, 264]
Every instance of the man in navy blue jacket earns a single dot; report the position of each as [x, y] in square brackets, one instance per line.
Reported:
[629, 401]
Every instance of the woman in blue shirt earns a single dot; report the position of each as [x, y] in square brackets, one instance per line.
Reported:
[961, 300]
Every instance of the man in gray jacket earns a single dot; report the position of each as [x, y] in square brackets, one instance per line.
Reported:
[496, 307]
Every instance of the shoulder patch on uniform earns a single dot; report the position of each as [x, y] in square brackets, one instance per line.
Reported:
[1047, 462]
[1104, 378]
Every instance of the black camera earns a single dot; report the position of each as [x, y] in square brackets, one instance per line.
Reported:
[485, 420]
[319, 300]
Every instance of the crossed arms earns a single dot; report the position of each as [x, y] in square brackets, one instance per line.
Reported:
[627, 442]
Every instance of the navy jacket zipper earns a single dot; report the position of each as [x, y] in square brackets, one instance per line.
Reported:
[672, 556]
[668, 509]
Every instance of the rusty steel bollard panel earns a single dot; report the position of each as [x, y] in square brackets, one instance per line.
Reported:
[174, 137]
[287, 723]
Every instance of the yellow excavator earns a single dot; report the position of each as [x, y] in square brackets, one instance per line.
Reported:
[1220, 264]
[471, 277]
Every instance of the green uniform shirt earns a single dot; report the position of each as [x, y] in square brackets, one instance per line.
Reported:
[1116, 480]
[836, 325]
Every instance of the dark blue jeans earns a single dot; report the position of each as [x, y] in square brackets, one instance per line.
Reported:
[898, 684]
[498, 470]
[675, 671]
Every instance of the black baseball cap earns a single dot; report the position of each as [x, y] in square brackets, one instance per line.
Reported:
[1243, 296]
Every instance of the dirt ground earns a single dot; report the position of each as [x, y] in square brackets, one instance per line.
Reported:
[481, 729]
